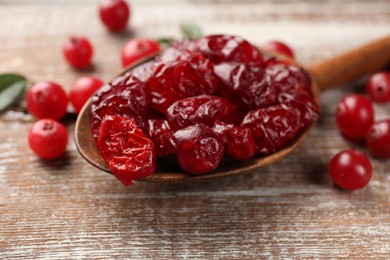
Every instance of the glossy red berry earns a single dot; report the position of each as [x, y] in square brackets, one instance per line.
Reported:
[114, 14]
[354, 116]
[350, 170]
[378, 87]
[47, 99]
[48, 139]
[280, 47]
[82, 90]
[378, 139]
[78, 51]
[138, 48]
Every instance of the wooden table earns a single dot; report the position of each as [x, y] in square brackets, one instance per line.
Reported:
[66, 209]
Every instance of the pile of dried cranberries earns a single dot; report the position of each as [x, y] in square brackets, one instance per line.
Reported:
[200, 101]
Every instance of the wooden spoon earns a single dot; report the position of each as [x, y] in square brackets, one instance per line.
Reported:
[328, 74]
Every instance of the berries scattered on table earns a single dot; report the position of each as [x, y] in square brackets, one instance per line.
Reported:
[354, 116]
[47, 99]
[378, 139]
[78, 52]
[378, 87]
[278, 46]
[48, 139]
[82, 90]
[200, 101]
[114, 14]
[350, 170]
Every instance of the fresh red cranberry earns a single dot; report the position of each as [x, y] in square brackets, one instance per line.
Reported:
[137, 49]
[378, 87]
[78, 52]
[127, 150]
[126, 96]
[47, 99]
[278, 46]
[199, 149]
[174, 81]
[82, 90]
[162, 136]
[246, 84]
[48, 139]
[220, 48]
[350, 170]
[203, 109]
[378, 139]
[239, 141]
[354, 116]
[114, 14]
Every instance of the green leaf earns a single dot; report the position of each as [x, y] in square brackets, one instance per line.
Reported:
[164, 42]
[12, 87]
[191, 30]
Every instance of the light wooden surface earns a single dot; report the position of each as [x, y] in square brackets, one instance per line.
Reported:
[66, 209]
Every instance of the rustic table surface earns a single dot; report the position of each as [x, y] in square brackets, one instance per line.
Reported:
[65, 208]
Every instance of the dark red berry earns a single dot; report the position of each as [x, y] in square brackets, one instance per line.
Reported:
[128, 152]
[78, 51]
[272, 127]
[199, 149]
[179, 50]
[48, 139]
[289, 78]
[125, 96]
[378, 139]
[378, 87]
[82, 90]
[354, 116]
[350, 170]
[203, 109]
[278, 46]
[220, 48]
[162, 136]
[114, 14]
[248, 85]
[47, 99]
[239, 141]
[174, 81]
[136, 49]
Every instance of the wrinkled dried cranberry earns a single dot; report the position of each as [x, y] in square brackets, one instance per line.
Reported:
[142, 72]
[203, 109]
[220, 48]
[162, 137]
[179, 50]
[174, 81]
[128, 152]
[239, 141]
[271, 127]
[125, 96]
[246, 84]
[199, 149]
[289, 78]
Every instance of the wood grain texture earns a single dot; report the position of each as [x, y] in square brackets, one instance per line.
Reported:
[66, 209]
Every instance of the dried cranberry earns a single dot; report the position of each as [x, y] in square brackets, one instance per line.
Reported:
[162, 137]
[176, 80]
[143, 71]
[220, 48]
[199, 149]
[246, 84]
[203, 109]
[289, 78]
[125, 97]
[271, 127]
[239, 141]
[179, 50]
[128, 152]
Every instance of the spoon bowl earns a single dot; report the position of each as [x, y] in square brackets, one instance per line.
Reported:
[328, 74]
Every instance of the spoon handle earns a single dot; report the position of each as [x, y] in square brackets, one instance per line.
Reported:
[350, 65]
